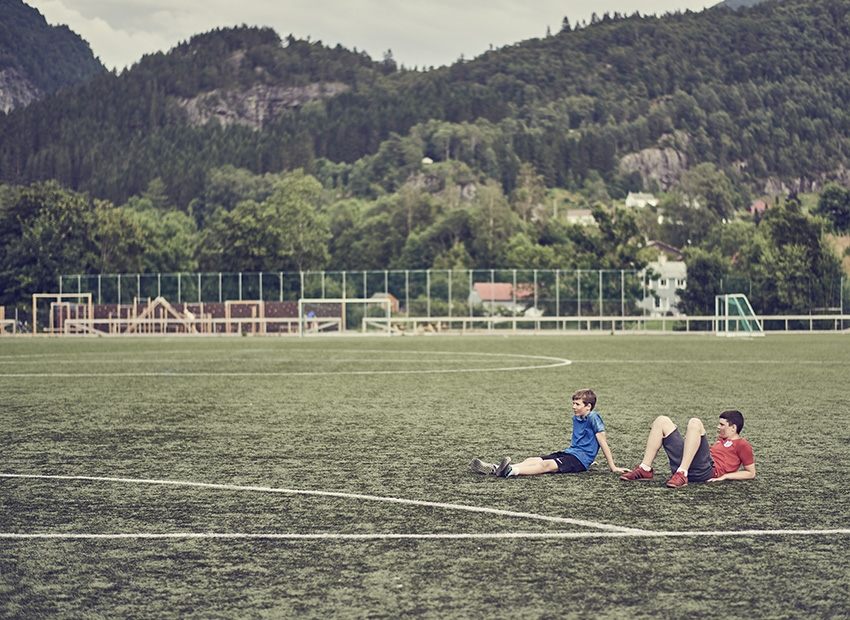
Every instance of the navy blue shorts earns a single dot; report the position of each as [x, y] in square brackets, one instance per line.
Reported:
[567, 463]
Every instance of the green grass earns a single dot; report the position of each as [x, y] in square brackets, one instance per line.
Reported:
[326, 415]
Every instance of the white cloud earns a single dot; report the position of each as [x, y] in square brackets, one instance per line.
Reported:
[419, 33]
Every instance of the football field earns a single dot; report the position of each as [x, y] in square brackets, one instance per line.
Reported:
[275, 477]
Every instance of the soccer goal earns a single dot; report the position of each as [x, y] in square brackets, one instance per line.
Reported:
[735, 316]
[338, 315]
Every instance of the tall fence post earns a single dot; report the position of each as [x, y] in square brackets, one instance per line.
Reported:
[428, 292]
[449, 275]
[557, 293]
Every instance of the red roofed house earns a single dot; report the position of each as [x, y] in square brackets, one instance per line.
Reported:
[495, 295]
[758, 208]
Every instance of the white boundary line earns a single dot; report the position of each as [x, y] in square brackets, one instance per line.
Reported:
[493, 536]
[553, 362]
[339, 494]
[609, 531]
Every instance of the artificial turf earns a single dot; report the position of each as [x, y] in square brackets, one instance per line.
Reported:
[401, 418]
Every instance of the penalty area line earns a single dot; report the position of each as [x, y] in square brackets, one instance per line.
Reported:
[337, 494]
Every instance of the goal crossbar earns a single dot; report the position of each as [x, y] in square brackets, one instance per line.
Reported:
[334, 313]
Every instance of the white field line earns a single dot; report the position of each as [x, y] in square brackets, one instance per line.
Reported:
[358, 496]
[544, 362]
[609, 531]
[366, 537]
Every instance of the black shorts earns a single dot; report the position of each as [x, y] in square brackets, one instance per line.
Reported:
[567, 463]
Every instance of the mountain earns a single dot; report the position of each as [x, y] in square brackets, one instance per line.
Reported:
[758, 92]
[37, 59]
[737, 4]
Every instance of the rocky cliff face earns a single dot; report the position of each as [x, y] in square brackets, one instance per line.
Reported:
[256, 106]
[664, 164]
[16, 90]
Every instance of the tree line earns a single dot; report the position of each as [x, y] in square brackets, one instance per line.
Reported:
[444, 217]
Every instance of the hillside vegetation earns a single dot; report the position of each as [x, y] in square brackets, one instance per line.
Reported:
[38, 59]
[239, 151]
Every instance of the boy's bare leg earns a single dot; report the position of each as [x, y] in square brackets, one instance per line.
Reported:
[534, 465]
[661, 427]
[696, 429]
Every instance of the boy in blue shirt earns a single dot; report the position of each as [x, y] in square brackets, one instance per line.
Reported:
[588, 437]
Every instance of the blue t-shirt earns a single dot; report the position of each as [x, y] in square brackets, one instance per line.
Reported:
[584, 445]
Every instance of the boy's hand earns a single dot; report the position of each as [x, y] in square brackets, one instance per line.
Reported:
[620, 470]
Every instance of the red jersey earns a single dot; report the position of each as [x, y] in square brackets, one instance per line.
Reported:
[730, 454]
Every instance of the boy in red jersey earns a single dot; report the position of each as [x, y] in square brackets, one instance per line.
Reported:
[691, 458]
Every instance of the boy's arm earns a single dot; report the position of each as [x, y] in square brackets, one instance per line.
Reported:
[748, 473]
[603, 443]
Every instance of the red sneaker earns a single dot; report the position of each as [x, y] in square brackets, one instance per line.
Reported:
[678, 480]
[638, 473]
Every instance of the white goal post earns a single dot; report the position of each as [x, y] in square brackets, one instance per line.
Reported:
[735, 316]
[331, 314]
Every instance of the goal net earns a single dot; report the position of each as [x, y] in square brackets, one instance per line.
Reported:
[735, 316]
[338, 315]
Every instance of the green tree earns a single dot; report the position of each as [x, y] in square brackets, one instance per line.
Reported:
[285, 233]
[706, 271]
[529, 192]
[45, 231]
[492, 224]
[301, 232]
[834, 205]
[119, 239]
[791, 262]
[704, 198]
[523, 253]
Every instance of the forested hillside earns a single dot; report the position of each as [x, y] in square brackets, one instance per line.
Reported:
[38, 59]
[759, 91]
[239, 151]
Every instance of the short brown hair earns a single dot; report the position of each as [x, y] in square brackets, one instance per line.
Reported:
[585, 396]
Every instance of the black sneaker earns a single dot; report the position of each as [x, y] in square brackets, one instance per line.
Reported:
[504, 467]
[481, 467]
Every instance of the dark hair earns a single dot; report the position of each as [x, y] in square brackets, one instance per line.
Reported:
[733, 416]
[586, 396]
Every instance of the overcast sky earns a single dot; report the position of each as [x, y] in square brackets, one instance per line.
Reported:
[420, 33]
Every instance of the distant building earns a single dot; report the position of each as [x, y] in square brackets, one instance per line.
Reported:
[583, 217]
[500, 295]
[639, 200]
[661, 298]
[758, 208]
[669, 251]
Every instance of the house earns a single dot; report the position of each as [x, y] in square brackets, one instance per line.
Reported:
[660, 297]
[668, 250]
[757, 208]
[496, 296]
[581, 216]
[640, 200]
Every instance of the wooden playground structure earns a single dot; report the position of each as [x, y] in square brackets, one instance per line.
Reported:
[74, 314]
